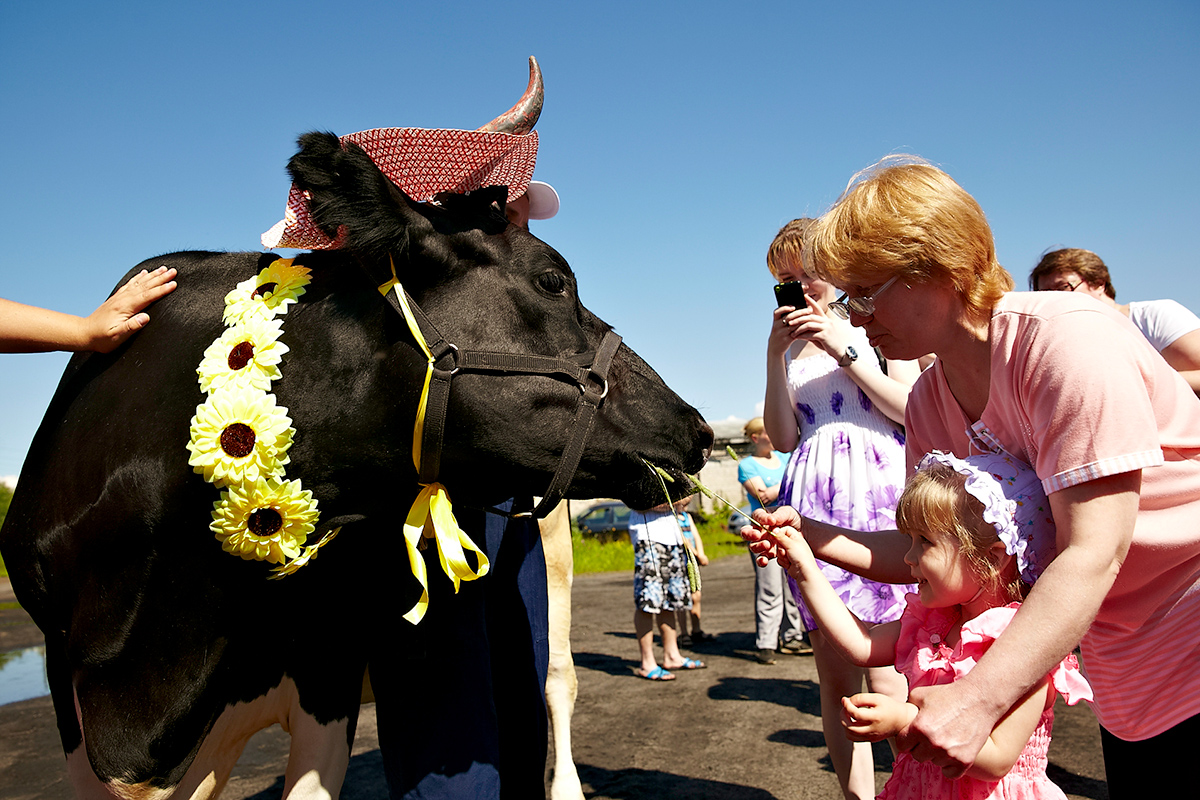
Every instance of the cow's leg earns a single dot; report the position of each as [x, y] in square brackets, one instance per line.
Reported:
[561, 683]
[316, 763]
[319, 756]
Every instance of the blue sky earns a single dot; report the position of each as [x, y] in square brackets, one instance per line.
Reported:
[680, 136]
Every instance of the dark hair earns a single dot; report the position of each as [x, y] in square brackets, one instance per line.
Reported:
[1086, 264]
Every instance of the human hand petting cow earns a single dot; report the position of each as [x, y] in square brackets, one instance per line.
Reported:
[30, 329]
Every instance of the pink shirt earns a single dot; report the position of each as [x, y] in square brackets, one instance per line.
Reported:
[1079, 394]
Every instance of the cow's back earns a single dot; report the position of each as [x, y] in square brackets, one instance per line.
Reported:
[111, 446]
[150, 627]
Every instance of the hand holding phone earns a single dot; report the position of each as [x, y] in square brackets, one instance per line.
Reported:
[790, 293]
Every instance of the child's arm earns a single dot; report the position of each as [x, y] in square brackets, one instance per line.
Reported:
[870, 717]
[701, 556]
[29, 329]
[757, 487]
[858, 642]
[1011, 734]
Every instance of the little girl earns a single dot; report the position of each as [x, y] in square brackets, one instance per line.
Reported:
[981, 529]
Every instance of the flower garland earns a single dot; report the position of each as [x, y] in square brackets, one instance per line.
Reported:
[239, 436]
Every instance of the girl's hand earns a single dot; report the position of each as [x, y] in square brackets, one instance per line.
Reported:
[818, 326]
[762, 544]
[791, 549]
[871, 717]
[782, 333]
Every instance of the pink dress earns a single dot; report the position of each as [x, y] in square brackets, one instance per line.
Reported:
[923, 658]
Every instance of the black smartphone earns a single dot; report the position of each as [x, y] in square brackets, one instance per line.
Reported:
[790, 294]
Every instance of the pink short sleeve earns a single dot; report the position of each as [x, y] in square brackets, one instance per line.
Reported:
[1076, 386]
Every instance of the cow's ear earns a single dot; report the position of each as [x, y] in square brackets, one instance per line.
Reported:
[347, 191]
[482, 208]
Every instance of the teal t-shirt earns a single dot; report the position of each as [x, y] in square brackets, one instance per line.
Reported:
[750, 467]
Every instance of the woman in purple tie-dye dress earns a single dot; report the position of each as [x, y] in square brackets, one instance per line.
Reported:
[830, 404]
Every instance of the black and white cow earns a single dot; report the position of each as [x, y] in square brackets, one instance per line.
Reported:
[165, 654]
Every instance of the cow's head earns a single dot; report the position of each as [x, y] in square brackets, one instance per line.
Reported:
[491, 286]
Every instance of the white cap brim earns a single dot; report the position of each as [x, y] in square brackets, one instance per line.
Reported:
[543, 200]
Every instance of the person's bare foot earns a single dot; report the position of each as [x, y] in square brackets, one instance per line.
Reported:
[687, 663]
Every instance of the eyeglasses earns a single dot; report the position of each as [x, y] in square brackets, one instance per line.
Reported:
[863, 306]
[1066, 286]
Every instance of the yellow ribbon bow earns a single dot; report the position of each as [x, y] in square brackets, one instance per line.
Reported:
[431, 514]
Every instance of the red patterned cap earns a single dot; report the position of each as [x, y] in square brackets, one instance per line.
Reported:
[422, 162]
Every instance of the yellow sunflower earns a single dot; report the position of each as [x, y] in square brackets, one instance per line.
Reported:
[266, 520]
[246, 356]
[267, 294]
[239, 436]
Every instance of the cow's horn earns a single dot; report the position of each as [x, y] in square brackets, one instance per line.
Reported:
[524, 115]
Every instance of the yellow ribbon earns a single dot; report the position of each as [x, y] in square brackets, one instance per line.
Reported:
[431, 513]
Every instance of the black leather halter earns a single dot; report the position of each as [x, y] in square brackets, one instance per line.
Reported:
[588, 371]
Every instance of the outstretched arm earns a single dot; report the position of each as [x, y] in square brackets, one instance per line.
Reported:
[29, 329]
[877, 555]
[860, 643]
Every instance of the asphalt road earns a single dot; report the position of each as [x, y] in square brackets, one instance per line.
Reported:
[737, 729]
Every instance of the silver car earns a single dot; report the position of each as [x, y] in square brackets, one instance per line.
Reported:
[604, 518]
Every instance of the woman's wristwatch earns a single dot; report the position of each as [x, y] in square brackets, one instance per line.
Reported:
[848, 358]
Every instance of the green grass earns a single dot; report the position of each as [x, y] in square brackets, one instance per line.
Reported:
[594, 555]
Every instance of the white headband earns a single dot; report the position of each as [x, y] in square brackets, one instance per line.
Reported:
[1013, 503]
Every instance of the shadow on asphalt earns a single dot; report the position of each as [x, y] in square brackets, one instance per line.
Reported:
[602, 662]
[638, 784]
[1081, 785]
[802, 695]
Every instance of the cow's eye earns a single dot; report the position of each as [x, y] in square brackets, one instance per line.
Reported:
[552, 282]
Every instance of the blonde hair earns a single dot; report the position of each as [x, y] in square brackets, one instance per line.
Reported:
[753, 426]
[787, 248]
[936, 500]
[904, 216]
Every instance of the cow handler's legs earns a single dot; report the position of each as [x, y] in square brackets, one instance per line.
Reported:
[518, 636]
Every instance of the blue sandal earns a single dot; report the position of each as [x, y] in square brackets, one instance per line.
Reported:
[657, 674]
[691, 663]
